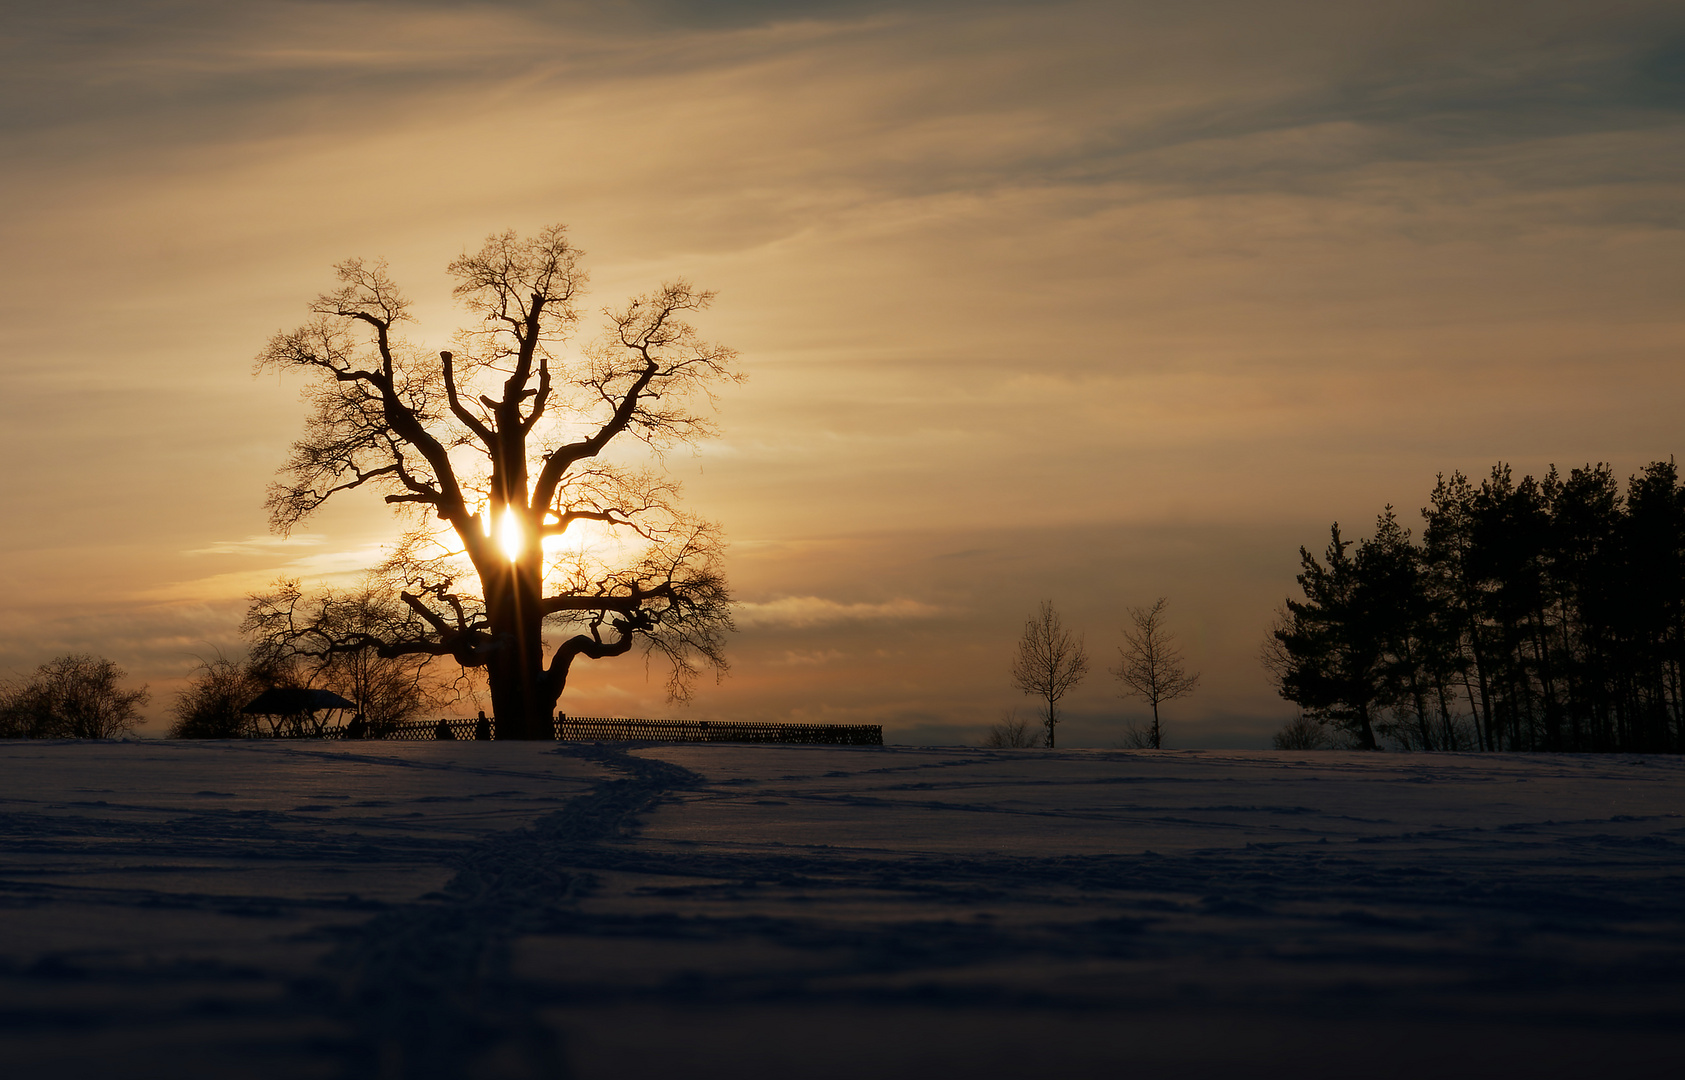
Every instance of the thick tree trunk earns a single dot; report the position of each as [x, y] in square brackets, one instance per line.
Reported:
[519, 709]
[521, 705]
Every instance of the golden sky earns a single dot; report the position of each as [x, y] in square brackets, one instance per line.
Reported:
[1094, 302]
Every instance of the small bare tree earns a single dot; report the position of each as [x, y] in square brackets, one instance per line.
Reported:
[1049, 662]
[1151, 667]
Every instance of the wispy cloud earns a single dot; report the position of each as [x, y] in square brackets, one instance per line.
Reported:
[260, 545]
[805, 611]
[1069, 264]
[814, 658]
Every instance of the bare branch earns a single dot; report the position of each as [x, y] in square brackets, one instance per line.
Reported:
[645, 369]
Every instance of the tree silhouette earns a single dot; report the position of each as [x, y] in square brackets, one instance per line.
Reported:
[504, 440]
[71, 697]
[1151, 667]
[296, 634]
[1535, 614]
[209, 705]
[1048, 663]
[1331, 656]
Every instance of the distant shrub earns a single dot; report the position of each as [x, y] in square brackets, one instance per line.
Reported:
[1136, 737]
[208, 707]
[1012, 733]
[1440, 733]
[1304, 733]
[71, 697]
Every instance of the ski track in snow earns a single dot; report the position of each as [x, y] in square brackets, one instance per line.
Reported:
[457, 910]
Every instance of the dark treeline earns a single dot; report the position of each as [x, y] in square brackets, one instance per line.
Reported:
[1533, 615]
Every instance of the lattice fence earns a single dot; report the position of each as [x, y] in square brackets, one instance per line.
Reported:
[616, 729]
[611, 729]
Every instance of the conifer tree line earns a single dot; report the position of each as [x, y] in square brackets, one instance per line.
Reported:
[1530, 615]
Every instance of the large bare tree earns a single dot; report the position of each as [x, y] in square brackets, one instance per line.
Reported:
[1048, 663]
[524, 516]
[1151, 666]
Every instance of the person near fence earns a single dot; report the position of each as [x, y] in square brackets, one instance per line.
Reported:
[482, 728]
[443, 731]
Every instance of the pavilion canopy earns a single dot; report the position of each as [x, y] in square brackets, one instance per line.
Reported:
[292, 701]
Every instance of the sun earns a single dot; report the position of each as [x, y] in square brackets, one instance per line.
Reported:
[509, 536]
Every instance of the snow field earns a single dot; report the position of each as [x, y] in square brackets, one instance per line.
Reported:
[508, 910]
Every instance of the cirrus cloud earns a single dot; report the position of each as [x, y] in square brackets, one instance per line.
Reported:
[804, 611]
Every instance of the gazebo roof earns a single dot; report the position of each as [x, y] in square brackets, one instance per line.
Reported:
[291, 701]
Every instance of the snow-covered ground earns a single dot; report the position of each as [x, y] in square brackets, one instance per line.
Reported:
[505, 910]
